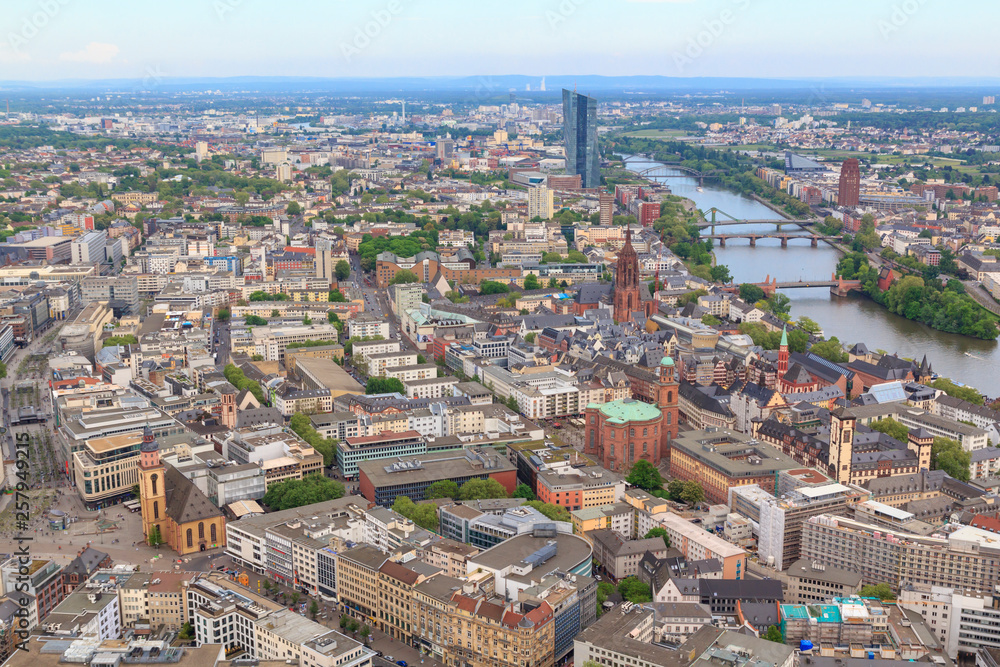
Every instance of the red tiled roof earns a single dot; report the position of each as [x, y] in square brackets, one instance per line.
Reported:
[989, 523]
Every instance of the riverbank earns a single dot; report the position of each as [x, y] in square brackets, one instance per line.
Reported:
[852, 319]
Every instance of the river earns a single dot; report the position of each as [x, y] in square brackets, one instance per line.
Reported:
[852, 319]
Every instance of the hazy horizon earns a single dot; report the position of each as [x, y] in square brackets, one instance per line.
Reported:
[53, 40]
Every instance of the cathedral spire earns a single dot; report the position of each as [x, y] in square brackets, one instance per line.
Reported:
[626, 293]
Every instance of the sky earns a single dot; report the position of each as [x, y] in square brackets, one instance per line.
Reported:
[98, 39]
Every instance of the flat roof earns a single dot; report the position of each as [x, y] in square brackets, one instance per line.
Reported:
[45, 241]
[820, 491]
[571, 550]
[329, 374]
[432, 468]
[101, 445]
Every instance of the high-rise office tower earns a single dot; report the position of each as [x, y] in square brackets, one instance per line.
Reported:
[580, 135]
[849, 191]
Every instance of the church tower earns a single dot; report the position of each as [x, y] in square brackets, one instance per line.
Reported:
[783, 355]
[842, 423]
[669, 395]
[626, 292]
[152, 491]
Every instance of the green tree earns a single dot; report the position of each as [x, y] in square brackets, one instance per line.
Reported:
[645, 476]
[275, 313]
[293, 208]
[892, 428]
[553, 283]
[948, 455]
[720, 274]
[342, 269]
[779, 304]
[302, 425]
[444, 488]
[127, 339]
[492, 287]
[425, 516]
[658, 532]
[529, 337]
[692, 494]
[365, 633]
[223, 315]
[3, 370]
[154, 539]
[236, 378]
[313, 608]
[404, 506]
[964, 393]
[336, 296]
[404, 277]
[830, 350]
[479, 489]
[314, 488]
[808, 324]
[710, 319]
[634, 590]
[186, 633]
[378, 385]
[523, 491]
[254, 320]
[550, 510]
[773, 634]
[881, 591]
[344, 620]
[531, 282]
[551, 258]
[421, 359]
[604, 589]
[750, 293]
[674, 490]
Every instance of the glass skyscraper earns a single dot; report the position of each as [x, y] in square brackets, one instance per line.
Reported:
[580, 134]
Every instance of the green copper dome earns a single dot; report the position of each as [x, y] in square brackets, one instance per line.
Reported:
[666, 361]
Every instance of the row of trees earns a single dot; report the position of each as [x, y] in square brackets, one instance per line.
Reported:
[301, 424]
[945, 307]
[236, 378]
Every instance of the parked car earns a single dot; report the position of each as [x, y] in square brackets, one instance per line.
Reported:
[401, 663]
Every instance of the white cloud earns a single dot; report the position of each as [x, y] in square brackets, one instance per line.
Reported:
[95, 52]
